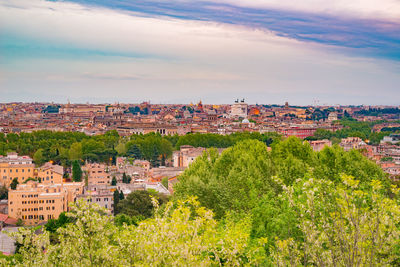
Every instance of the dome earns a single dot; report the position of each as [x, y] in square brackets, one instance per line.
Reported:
[245, 121]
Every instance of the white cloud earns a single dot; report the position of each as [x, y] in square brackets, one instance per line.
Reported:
[187, 60]
[380, 9]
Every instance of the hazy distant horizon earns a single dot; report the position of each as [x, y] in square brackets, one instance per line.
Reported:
[193, 103]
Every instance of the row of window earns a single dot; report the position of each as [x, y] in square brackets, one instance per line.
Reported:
[5, 178]
[40, 217]
[28, 196]
[99, 199]
[40, 208]
[16, 170]
[37, 201]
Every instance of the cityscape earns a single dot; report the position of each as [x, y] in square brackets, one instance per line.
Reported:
[199, 133]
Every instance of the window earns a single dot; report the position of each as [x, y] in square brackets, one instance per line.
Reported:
[52, 208]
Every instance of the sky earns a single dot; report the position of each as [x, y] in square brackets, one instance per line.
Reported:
[180, 51]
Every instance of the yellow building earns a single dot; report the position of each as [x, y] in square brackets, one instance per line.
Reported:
[34, 202]
[14, 166]
[50, 174]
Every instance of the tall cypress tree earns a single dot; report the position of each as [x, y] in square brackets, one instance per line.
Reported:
[76, 171]
[116, 201]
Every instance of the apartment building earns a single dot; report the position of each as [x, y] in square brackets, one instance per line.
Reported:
[102, 195]
[188, 154]
[318, 145]
[50, 174]
[35, 202]
[350, 143]
[97, 174]
[14, 166]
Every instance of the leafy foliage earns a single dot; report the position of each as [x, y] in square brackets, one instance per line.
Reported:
[139, 203]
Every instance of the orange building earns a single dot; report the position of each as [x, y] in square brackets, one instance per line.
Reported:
[97, 174]
[50, 174]
[14, 166]
[34, 202]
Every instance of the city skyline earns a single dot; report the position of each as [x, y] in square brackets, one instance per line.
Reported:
[184, 51]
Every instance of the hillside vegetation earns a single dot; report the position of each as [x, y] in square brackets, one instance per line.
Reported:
[246, 207]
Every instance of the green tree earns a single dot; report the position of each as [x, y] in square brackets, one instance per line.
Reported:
[184, 234]
[121, 195]
[234, 181]
[38, 157]
[124, 178]
[134, 151]
[14, 184]
[138, 203]
[341, 225]
[114, 181]
[3, 192]
[116, 199]
[76, 171]
[75, 151]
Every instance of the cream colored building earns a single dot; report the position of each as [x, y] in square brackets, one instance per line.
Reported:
[14, 166]
[35, 202]
[239, 109]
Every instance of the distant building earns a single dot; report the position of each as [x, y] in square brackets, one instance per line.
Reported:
[300, 132]
[14, 166]
[352, 143]
[239, 109]
[187, 155]
[333, 116]
[393, 139]
[318, 145]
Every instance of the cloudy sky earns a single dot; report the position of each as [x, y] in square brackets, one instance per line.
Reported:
[181, 51]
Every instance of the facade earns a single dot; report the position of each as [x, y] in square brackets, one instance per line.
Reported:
[34, 202]
[50, 174]
[300, 132]
[97, 174]
[186, 155]
[239, 109]
[352, 143]
[333, 116]
[14, 166]
[393, 139]
[318, 145]
[99, 194]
